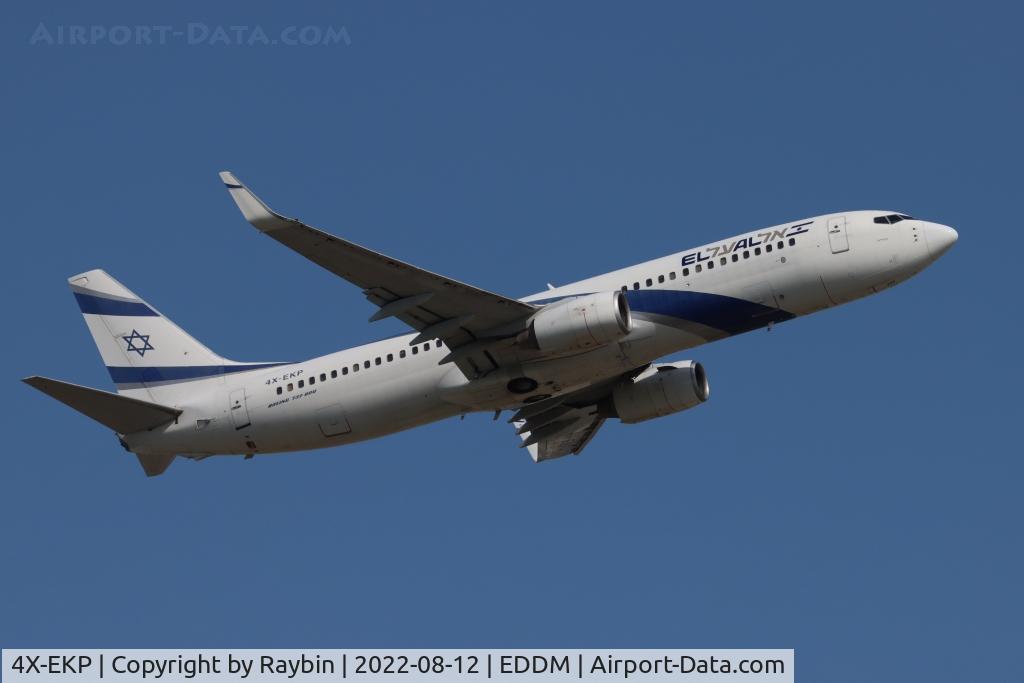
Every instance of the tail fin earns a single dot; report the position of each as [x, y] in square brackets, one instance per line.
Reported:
[147, 355]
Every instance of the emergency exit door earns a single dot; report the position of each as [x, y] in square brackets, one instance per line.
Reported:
[837, 238]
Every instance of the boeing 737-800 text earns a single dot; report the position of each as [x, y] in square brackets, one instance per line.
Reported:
[563, 360]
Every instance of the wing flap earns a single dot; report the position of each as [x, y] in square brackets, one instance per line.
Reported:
[567, 435]
[564, 425]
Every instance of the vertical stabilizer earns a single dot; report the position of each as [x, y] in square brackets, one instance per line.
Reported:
[147, 355]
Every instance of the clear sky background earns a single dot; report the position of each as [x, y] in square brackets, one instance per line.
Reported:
[852, 490]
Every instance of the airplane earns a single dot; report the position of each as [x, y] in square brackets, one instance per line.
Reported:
[563, 360]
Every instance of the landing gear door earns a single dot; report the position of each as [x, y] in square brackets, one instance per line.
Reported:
[837, 238]
[238, 409]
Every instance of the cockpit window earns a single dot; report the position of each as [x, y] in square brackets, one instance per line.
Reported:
[893, 218]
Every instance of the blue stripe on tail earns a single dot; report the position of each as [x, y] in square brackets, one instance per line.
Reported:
[98, 305]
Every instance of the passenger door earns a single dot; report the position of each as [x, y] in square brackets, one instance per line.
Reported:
[837, 238]
[239, 411]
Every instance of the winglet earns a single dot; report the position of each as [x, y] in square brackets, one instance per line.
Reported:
[261, 216]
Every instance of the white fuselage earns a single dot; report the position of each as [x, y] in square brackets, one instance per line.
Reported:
[678, 302]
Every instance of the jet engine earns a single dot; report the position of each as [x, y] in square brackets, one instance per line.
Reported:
[660, 390]
[580, 323]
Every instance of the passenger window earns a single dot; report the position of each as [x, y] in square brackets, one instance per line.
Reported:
[391, 357]
[697, 268]
[649, 282]
[438, 343]
[636, 285]
[376, 361]
[661, 278]
[757, 251]
[711, 264]
[401, 354]
[767, 247]
[312, 381]
[323, 376]
[302, 383]
[355, 367]
[415, 350]
[279, 391]
[426, 347]
[366, 364]
[686, 272]
[672, 275]
[735, 258]
[291, 387]
[780, 245]
[746, 254]
[722, 261]
[792, 241]
[344, 371]
[624, 288]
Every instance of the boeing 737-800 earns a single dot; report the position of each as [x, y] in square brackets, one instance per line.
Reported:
[563, 360]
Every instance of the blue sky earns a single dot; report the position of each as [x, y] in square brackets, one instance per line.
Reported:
[852, 489]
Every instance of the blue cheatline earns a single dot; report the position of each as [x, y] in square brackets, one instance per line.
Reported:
[726, 313]
[148, 375]
[720, 312]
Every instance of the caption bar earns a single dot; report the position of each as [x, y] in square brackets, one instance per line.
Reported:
[319, 666]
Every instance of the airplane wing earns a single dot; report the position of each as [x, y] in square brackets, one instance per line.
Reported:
[565, 424]
[469, 320]
[566, 434]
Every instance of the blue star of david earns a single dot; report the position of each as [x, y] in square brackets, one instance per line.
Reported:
[133, 345]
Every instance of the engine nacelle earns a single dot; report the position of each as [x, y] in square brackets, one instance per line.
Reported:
[658, 391]
[580, 323]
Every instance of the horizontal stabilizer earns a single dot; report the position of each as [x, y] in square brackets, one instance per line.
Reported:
[122, 414]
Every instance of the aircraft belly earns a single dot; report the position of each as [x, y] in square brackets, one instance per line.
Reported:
[388, 409]
[354, 409]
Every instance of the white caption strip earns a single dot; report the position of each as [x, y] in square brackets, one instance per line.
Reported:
[312, 666]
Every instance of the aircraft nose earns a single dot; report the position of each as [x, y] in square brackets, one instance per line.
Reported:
[939, 238]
